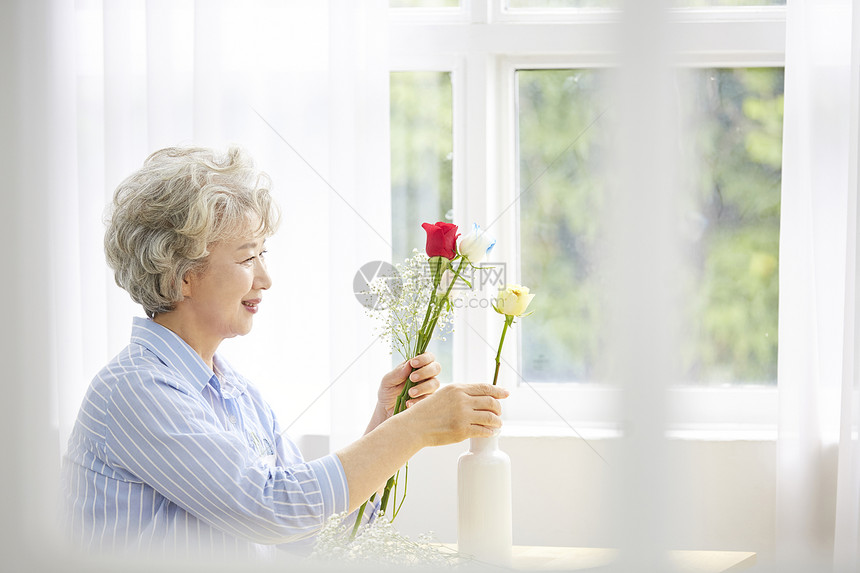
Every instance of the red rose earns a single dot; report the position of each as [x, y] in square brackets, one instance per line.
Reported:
[441, 239]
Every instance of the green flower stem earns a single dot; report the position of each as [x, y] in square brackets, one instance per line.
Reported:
[425, 334]
[400, 404]
[509, 321]
[359, 516]
[428, 334]
[437, 277]
[431, 317]
[386, 493]
[402, 497]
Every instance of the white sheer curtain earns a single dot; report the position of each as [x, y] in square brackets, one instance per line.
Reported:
[818, 457]
[90, 89]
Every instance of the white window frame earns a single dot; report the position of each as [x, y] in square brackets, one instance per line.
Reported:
[482, 44]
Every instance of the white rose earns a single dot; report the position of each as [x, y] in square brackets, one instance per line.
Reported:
[476, 245]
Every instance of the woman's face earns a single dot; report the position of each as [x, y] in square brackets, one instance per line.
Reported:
[225, 296]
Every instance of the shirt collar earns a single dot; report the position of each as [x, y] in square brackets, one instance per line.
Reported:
[171, 350]
[174, 352]
[232, 383]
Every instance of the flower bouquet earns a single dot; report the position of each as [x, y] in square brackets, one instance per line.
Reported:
[411, 311]
[412, 314]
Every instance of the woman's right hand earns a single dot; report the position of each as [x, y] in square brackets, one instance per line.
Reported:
[449, 415]
[456, 412]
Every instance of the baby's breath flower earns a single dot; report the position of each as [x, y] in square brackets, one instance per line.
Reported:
[400, 311]
[379, 543]
[410, 312]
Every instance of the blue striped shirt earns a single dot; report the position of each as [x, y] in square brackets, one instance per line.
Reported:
[166, 455]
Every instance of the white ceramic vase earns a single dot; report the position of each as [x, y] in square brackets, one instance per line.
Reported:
[484, 527]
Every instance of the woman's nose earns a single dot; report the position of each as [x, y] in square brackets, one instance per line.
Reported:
[262, 280]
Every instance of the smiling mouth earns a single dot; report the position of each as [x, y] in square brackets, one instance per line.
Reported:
[251, 304]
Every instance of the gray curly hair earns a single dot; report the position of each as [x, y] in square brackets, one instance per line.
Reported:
[164, 217]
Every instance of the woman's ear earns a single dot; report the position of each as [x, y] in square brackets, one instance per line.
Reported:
[186, 284]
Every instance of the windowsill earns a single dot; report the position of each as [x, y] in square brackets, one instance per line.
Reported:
[711, 414]
[525, 430]
[699, 432]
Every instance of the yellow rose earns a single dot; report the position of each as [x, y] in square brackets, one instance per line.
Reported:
[513, 300]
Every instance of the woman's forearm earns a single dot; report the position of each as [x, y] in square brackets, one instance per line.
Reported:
[372, 459]
[379, 416]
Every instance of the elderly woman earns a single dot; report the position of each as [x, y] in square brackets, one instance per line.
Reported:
[175, 451]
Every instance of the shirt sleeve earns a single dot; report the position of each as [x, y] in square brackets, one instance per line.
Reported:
[371, 510]
[171, 440]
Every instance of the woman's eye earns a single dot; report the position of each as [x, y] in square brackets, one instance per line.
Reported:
[251, 259]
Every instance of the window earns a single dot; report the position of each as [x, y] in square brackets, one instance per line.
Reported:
[562, 144]
[422, 153]
[528, 82]
[733, 150]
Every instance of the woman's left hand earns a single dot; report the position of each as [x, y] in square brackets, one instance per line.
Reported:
[424, 377]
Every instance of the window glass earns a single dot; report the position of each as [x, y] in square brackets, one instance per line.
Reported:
[733, 120]
[422, 150]
[562, 145]
[732, 147]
